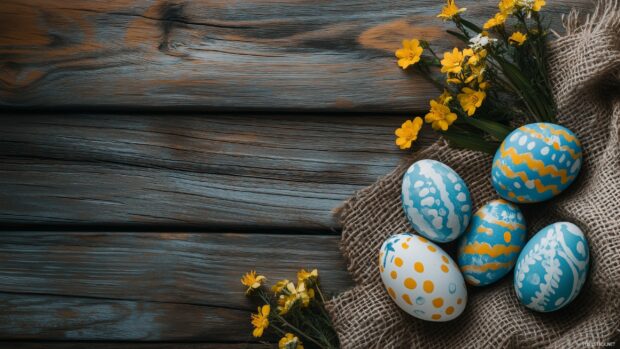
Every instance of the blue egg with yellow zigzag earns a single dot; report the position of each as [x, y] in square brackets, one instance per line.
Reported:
[492, 243]
[536, 162]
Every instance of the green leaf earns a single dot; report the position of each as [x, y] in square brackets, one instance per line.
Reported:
[471, 26]
[524, 88]
[468, 142]
[458, 35]
[497, 130]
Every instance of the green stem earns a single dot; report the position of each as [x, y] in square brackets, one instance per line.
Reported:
[428, 76]
[471, 26]
[300, 332]
[261, 294]
[495, 129]
[467, 142]
[430, 49]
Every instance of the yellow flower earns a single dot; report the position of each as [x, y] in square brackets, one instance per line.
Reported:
[279, 286]
[538, 4]
[450, 10]
[475, 73]
[290, 341]
[471, 99]
[517, 38]
[292, 294]
[451, 62]
[252, 281]
[484, 85]
[260, 321]
[477, 57]
[303, 275]
[445, 97]
[409, 54]
[439, 116]
[498, 19]
[302, 293]
[285, 302]
[408, 133]
[506, 6]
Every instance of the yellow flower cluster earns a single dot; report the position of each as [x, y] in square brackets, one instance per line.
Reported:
[288, 294]
[508, 8]
[464, 69]
[290, 341]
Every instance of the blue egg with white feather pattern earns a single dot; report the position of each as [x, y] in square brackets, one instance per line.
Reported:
[436, 200]
[552, 267]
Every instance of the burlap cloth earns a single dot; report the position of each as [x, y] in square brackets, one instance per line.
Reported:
[585, 71]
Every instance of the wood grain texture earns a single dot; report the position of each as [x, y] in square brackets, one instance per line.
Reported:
[73, 318]
[195, 268]
[147, 286]
[131, 345]
[171, 171]
[254, 54]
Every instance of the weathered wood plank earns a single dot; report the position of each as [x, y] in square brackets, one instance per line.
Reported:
[255, 54]
[146, 286]
[74, 318]
[194, 268]
[131, 345]
[235, 171]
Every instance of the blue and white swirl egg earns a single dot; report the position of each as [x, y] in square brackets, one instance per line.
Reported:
[552, 267]
[436, 200]
[536, 162]
[492, 243]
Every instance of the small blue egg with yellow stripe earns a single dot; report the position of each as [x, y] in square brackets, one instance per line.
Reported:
[536, 162]
[492, 243]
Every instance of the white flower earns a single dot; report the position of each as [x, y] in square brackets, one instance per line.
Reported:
[480, 41]
[527, 4]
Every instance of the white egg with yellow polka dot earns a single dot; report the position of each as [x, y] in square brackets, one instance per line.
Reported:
[421, 278]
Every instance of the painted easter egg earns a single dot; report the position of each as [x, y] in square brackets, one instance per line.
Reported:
[536, 162]
[492, 243]
[436, 200]
[552, 267]
[421, 278]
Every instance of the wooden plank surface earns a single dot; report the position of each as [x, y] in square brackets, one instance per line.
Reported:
[241, 55]
[75, 318]
[147, 286]
[236, 171]
[196, 268]
[129, 345]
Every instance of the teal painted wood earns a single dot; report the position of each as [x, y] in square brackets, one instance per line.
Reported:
[199, 54]
[171, 171]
